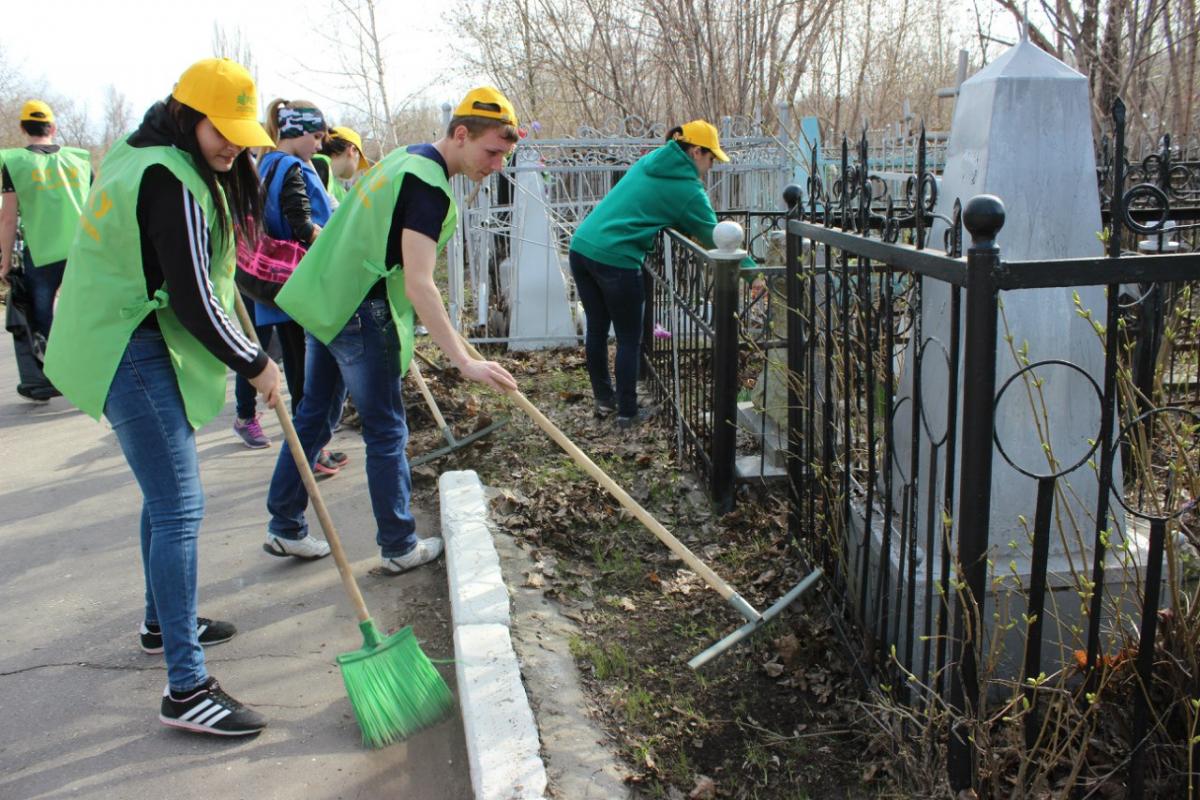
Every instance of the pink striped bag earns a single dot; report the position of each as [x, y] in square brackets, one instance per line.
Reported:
[263, 268]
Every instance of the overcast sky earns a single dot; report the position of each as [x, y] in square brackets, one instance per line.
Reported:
[79, 48]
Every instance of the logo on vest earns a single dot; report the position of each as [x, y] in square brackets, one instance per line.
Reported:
[99, 205]
[56, 178]
[372, 181]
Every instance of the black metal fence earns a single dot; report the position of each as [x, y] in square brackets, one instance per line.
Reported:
[695, 299]
[891, 439]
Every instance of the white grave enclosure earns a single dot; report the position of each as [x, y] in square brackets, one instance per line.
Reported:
[1021, 131]
[540, 313]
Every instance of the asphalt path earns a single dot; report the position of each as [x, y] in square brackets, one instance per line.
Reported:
[78, 698]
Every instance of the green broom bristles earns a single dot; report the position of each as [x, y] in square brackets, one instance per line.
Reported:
[394, 688]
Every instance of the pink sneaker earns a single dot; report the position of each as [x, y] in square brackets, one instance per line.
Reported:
[325, 466]
[251, 432]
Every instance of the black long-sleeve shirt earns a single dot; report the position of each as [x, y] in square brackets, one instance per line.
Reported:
[295, 205]
[176, 253]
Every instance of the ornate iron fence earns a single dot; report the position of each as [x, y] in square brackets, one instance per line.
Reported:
[575, 173]
[890, 483]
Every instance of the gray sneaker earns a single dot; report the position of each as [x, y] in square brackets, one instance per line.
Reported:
[307, 548]
[426, 550]
[627, 423]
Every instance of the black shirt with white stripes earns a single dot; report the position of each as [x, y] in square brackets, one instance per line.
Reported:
[176, 253]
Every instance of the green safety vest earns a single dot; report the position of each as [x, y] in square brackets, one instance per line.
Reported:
[332, 185]
[103, 298]
[51, 189]
[350, 255]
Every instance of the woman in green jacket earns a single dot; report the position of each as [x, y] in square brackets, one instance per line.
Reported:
[664, 189]
[144, 335]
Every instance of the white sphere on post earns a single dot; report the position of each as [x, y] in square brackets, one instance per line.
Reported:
[728, 236]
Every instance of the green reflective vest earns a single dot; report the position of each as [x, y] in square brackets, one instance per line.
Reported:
[103, 298]
[350, 255]
[51, 188]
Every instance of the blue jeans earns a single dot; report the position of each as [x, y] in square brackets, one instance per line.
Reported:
[146, 411]
[43, 284]
[364, 359]
[611, 296]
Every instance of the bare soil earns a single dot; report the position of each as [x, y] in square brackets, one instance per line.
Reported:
[773, 719]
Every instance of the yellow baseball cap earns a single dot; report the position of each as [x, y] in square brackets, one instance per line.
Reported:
[704, 134]
[488, 102]
[223, 91]
[36, 111]
[351, 136]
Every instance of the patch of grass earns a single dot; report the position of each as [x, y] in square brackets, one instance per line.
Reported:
[606, 663]
[639, 706]
[618, 563]
[757, 760]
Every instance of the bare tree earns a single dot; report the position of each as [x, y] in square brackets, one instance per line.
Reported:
[118, 117]
[1144, 51]
[362, 70]
[233, 45]
[567, 62]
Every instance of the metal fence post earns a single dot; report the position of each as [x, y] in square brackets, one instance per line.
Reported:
[726, 259]
[797, 354]
[983, 217]
[648, 312]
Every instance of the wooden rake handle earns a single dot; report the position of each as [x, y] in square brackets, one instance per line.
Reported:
[424, 387]
[620, 495]
[310, 483]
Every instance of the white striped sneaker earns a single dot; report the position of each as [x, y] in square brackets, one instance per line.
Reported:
[306, 549]
[208, 709]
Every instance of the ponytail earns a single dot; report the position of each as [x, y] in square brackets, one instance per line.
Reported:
[272, 123]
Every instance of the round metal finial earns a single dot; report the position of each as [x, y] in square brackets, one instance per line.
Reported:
[984, 217]
[728, 236]
[792, 195]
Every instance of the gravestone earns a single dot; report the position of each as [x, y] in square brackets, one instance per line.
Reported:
[540, 315]
[1021, 131]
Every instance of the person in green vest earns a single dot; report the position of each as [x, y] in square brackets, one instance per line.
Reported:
[355, 293]
[340, 158]
[665, 188]
[45, 184]
[144, 336]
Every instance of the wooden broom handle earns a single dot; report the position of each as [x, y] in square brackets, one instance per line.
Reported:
[632, 506]
[310, 482]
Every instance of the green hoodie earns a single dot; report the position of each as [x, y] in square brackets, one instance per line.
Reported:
[662, 190]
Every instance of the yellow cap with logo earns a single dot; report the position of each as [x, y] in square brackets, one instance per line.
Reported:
[488, 102]
[703, 134]
[223, 91]
[351, 136]
[36, 111]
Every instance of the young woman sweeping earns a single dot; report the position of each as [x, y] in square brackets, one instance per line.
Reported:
[144, 333]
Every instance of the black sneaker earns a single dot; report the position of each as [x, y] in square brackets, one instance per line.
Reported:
[209, 631]
[208, 709]
[603, 409]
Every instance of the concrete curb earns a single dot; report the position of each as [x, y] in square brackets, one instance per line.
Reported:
[503, 748]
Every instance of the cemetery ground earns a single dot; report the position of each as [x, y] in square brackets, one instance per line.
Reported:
[778, 717]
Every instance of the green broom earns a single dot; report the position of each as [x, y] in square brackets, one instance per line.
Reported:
[393, 687]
